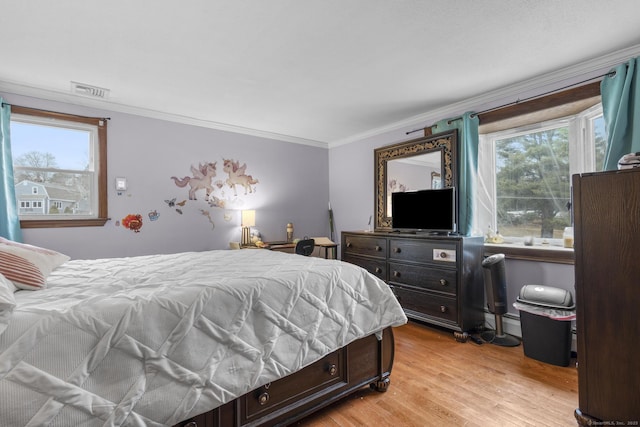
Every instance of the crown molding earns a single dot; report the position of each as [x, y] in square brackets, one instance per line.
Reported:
[550, 81]
[77, 100]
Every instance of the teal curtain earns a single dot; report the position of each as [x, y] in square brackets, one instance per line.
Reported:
[9, 221]
[621, 108]
[467, 150]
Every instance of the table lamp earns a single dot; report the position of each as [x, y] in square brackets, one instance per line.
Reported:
[248, 221]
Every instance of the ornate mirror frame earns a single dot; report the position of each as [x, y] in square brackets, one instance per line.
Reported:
[445, 142]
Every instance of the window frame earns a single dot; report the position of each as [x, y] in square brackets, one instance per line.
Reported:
[494, 118]
[580, 157]
[100, 174]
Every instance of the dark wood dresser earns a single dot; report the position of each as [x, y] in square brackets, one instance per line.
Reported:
[437, 279]
[607, 270]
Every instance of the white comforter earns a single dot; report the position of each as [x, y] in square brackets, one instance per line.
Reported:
[154, 340]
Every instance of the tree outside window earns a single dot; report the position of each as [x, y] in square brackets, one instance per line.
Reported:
[532, 184]
[525, 173]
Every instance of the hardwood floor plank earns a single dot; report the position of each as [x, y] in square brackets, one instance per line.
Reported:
[438, 381]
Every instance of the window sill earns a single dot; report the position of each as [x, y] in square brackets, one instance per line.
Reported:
[539, 252]
[52, 223]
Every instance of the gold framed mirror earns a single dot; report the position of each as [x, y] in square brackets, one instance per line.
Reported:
[412, 165]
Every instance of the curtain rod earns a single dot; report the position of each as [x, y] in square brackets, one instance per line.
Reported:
[4, 104]
[609, 74]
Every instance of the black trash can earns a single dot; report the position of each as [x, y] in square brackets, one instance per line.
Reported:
[545, 318]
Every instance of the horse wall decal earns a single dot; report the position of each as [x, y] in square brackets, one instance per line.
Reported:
[237, 176]
[201, 180]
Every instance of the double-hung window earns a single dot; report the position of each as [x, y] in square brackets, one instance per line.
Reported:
[59, 163]
[524, 185]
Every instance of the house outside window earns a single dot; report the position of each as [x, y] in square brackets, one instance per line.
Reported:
[59, 165]
[525, 174]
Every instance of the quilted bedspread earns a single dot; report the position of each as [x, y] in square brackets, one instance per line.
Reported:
[153, 340]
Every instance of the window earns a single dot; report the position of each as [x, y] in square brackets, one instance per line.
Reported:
[59, 163]
[525, 173]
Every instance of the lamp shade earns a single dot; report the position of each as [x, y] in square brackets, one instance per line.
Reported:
[249, 218]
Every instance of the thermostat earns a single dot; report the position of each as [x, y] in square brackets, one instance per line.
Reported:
[121, 184]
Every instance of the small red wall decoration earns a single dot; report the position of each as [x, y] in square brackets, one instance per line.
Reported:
[133, 222]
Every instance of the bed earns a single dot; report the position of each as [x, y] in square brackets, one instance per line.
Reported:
[214, 338]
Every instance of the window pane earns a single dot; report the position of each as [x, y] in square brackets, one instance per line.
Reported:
[39, 146]
[600, 139]
[54, 169]
[533, 183]
[64, 194]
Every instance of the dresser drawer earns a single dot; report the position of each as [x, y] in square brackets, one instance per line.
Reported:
[437, 279]
[377, 267]
[419, 304]
[362, 245]
[423, 251]
[202, 420]
[326, 373]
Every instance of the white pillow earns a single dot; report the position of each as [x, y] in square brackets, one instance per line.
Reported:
[7, 302]
[28, 266]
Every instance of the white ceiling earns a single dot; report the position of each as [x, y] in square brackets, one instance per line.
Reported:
[313, 71]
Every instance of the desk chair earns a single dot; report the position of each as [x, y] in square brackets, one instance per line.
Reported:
[305, 246]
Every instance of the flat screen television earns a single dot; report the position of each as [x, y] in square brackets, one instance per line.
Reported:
[431, 211]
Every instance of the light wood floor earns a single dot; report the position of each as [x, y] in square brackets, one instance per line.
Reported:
[437, 381]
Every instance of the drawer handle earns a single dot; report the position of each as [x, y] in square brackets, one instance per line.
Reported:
[443, 255]
[443, 282]
[191, 424]
[378, 270]
[349, 244]
[443, 309]
[263, 399]
[396, 274]
[378, 248]
[332, 369]
[397, 250]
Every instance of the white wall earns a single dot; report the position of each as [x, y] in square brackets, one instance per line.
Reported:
[293, 187]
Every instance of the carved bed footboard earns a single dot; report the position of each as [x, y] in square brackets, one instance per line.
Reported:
[367, 361]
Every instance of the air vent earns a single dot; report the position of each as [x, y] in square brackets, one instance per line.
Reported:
[89, 91]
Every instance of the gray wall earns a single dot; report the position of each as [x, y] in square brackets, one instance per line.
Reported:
[293, 187]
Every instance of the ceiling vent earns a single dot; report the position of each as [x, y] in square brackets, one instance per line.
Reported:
[89, 91]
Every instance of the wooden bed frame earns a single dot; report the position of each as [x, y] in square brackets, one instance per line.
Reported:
[367, 361]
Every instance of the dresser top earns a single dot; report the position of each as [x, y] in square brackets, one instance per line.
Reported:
[416, 235]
